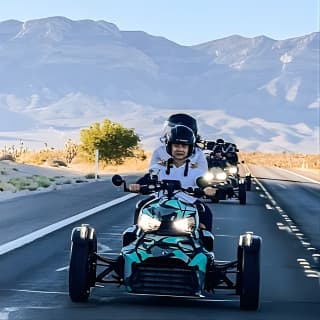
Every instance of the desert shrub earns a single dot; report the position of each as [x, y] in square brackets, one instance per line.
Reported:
[5, 186]
[91, 176]
[42, 181]
[56, 163]
[7, 157]
[79, 180]
[19, 183]
[70, 150]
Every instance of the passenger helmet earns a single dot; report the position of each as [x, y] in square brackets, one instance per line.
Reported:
[180, 135]
[182, 119]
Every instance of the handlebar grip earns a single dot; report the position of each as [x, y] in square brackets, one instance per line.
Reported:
[145, 189]
[198, 192]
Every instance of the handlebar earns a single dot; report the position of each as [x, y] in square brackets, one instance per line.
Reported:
[169, 186]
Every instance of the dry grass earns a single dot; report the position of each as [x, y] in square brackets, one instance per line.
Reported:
[15, 177]
[40, 157]
[38, 170]
[282, 160]
[131, 165]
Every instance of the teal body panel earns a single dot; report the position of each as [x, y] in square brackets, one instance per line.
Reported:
[182, 248]
[164, 208]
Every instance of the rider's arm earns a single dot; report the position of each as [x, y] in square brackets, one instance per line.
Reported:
[145, 180]
[201, 159]
[158, 155]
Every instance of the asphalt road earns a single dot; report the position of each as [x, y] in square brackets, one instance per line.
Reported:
[33, 278]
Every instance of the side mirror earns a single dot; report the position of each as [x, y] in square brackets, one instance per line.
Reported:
[117, 180]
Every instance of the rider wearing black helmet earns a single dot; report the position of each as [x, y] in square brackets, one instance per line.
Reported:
[197, 157]
[180, 134]
[179, 145]
[218, 148]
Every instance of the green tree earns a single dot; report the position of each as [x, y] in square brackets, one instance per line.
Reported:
[114, 142]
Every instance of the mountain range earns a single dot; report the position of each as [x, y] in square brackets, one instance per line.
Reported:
[58, 76]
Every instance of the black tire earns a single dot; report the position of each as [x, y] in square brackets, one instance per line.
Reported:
[239, 269]
[248, 183]
[93, 249]
[249, 276]
[82, 269]
[242, 193]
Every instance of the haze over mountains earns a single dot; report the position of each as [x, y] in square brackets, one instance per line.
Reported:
[58, 76]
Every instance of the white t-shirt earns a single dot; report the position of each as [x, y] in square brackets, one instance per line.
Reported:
[177, 173]
[197, 158]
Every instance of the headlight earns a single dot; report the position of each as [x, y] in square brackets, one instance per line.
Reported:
[147, 223]
[221, 176]
[185, 224]
[233, 170]
[208, 176]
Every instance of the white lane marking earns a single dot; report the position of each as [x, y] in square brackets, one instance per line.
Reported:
[62, 268]
[17, 243]
[4, 315]
[35, 291]
[301, 176]
[268, 207]
[225, 235]
[5, 312]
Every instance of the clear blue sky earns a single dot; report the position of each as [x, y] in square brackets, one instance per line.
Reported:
[186, 22]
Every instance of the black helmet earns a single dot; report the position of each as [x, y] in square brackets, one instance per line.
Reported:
[180, 135]
[220, 141]
[183, 119]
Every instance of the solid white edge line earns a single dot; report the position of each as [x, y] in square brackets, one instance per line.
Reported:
[17, 243]
[300, 176]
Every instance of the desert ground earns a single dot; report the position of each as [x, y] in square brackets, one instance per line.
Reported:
[21, 179]
[18, 179]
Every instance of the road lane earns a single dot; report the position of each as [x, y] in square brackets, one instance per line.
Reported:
[299, 200]
[21, 216]
[35, 290]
